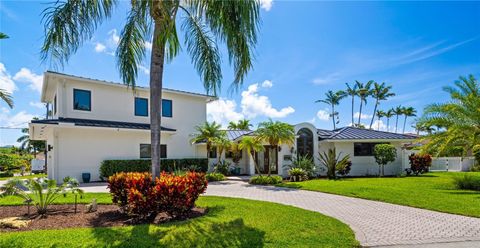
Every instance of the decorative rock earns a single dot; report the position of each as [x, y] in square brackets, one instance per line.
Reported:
[92, 207]
[14, 222]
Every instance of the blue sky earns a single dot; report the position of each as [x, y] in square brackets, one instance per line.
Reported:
[304, 49]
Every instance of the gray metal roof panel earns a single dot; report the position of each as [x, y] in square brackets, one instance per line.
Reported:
[99, 123]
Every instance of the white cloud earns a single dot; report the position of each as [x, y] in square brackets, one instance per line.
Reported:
[37, 105]
[20, 119]
[266, 4]
[148, 45]
[27, 76]
[323, 115]
[144, 69]
[223, 111]
[379, 125]
[6, 82]
[99, 47]
[254, 105]
[328, 79]
[364, 116]
[267, 84]
[114, 39]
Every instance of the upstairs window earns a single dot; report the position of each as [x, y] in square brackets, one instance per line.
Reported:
[167, 110]
[82, 100]
[364, 149]
[146, 151]
[141, 106]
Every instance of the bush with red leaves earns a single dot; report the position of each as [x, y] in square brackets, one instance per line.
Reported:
[419, 163]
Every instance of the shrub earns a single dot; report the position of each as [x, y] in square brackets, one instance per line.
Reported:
[212, 177]
[384, 154]
[6, 174]
[467, 182]
[110, 167]
[121, 183]
[334, 163]
[14, 162]
[266, 180]
[419, 163]
[343, 169]
[306, 164]
[222, 167]
[297, 174]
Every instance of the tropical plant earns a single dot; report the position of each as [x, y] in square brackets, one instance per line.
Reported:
[42, 192]
[265, 180]
[240, 125]
[236, 152]
[458, 119]
[297, 174]
[333, 162]
[30, 145]
[252, 146]
[6, 97]
[408, 112]
[68, 24]
[397, 111]
[3, 36]
[213, 177]
[467, 182]
[352, 91]
[72, 186]
[305, 163]
[222, 167]
[275, 134]
[389, 114]
[384, 154]
[380, 92]
[419, 163]
[209, 133]
[422, 127]
[223, 144]
[363, 92]
[333, 99]
[379, 114]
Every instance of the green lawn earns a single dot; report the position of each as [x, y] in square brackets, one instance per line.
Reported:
[229, 223]
[102, 198]
[24, 177]
[434, 191]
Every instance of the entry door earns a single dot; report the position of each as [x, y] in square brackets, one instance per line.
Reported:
[268, 157]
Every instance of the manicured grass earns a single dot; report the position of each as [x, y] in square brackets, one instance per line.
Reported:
[434, 191]
[102, 198]
[229, 223]
[24, 177]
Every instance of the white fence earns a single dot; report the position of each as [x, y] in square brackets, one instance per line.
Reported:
[444, 163]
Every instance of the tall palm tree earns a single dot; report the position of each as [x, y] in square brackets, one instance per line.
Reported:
[68, 24]
[458, 119]
[363, 93]
[275, 134]
[28, 145]
[6, 97]
[252, 146]
[379, 114]
[397, 111]
[408, 112]
[332, 99]
[352, 91]
[240, 125]
[380, 92]
[223, 144]
[389, 114]
[208, 133]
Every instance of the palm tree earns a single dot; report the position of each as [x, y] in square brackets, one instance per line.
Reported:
[69, 24]
[252, 146]
[28, 145]
[397, 111]
[3, 36]
[333, 99]
[389, 114]
[408, 112]
[208, 133]
[352, 91]
[232, 125]
[6, 97]
[240, 125]
[363, 92]
[458, 119]
[275, 134]
[380, 92]
[223, 144]
[380, 114]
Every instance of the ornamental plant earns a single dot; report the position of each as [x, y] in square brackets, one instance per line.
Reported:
[384, 154]
[420, 163]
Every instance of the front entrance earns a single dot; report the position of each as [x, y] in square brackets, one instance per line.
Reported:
[269, 157]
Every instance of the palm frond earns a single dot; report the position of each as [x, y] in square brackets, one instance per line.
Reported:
[6, 97]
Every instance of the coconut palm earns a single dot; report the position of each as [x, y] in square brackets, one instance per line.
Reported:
[389, 114]
[240, 125]
[252, 146]
[68, 24]
[458, 119]
[397, 111]
[379, 114]
[363, 93]
[275, 134]
[333, 99]
[408, 112]
[208, 133]
[223, 144]
[352, 91]
[380, 92]
[6, 97]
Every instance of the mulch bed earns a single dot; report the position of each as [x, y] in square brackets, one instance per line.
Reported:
[63, 216]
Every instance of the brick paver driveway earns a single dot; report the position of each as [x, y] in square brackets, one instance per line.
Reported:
[374, 223]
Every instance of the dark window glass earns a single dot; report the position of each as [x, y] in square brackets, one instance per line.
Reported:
[229, 154]
[213, 152]
[146, 151]
[141, 106]
[305, 142]
[364, 149]
[167, 110]
[82, 100]
[55, 104]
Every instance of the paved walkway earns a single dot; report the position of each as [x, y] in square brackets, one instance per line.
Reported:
[374, 223]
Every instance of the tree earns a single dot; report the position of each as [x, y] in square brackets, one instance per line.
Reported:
[389, 114]
[223, 144]
[408, 112]
[333, 99]
[240, 125]
[333, 163]
[275, 134]
[28, 145]
[208, 133]
[3, 36]
[397, 111]
[384, 154]
[252, 146]
[363, 92]
[68, 24]
[458, 120]
[379, 114]
[6, 97]
[352, 91]
[380, 92]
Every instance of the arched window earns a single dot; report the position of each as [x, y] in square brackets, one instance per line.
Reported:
[305, 142]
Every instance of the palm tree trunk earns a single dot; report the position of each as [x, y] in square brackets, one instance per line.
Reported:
[378, 124]
[360, 112]
[333, 116]
[353, 100]
[396, 124]
[208, 155]
[388, 124]
[374, 112]
[404, 122]
[156, 85]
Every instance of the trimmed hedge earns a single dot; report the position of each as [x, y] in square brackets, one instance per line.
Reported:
[266, 180]
[111, 167]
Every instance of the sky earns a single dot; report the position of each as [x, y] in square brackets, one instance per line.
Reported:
[304, 49]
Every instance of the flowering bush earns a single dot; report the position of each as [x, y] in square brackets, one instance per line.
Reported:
[419, 163]
[128, 187]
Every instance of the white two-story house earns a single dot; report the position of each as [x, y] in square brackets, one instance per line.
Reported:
[91, 120]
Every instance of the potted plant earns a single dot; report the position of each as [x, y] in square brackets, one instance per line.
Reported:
[86, 177]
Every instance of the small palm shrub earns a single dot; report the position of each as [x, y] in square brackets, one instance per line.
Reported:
[305, 163]
[212, 177]
[467, 181]
[266, 180]
[72, 186]
[297, 174]
[335, 163]
[223, 167]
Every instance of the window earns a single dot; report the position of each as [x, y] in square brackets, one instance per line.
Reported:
[141, 106]
[167, 110]
[146, 151]
[364, 149]
[55, 105]
[213, 152]
[229, 154]
[82, 100]
[305, 142]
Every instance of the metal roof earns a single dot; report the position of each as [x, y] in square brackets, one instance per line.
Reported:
[235, 134]
[352, 133]
[99, 123]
